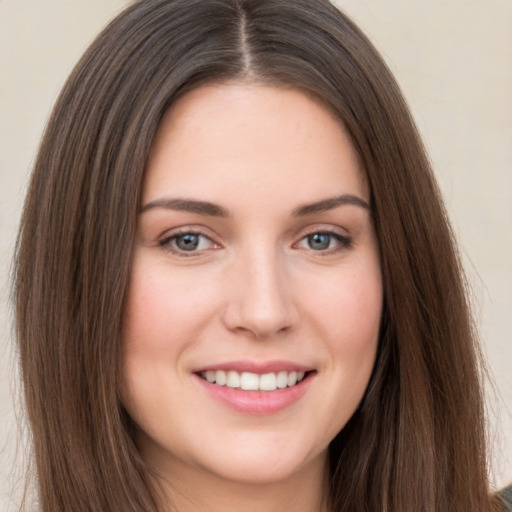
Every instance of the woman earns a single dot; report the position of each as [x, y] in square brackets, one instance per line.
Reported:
[236, 283]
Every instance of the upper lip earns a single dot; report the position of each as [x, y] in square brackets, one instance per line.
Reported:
[258, 367]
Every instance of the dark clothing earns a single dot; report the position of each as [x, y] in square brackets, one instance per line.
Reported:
[506, 494]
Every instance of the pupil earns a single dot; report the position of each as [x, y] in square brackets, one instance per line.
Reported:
[319, 241]
[188, 242]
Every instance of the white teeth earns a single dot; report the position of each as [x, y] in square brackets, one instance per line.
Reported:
[282, 380]
[292, 378]
[268, 382]
[220, 378]
[233, 380]
[252, 381]
[249, 381]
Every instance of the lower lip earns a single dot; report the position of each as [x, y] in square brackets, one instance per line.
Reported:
[257, 402]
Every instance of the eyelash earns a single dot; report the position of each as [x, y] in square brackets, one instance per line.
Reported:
[167, 242]
[343, 242]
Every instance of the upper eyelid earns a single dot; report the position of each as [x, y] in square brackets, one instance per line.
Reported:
[216, 239]
[183, 233]
[324, 228]
[183, 230]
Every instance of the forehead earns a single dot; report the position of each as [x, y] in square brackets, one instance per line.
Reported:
[267, 138]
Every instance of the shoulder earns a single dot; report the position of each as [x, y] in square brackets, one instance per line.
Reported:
[506, 495]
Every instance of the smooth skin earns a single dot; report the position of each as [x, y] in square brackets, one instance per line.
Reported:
[254, 243]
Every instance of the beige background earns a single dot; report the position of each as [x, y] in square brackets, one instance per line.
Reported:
[453, 59]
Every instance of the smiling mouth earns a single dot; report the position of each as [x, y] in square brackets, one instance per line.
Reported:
[249, 381]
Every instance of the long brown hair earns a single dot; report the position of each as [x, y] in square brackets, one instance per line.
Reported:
[417, 441]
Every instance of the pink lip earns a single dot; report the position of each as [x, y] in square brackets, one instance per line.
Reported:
[256, 402]
[259, 367]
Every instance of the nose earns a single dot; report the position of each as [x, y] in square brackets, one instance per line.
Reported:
[260, 299]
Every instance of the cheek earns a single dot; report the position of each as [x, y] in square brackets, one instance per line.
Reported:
[164, 309]
[348, 309]
[164, 314]
[348, 312]
[345, 311]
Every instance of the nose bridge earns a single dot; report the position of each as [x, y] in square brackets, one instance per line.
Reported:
[261, 302]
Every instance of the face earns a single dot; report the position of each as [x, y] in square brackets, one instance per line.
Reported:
[252, 319]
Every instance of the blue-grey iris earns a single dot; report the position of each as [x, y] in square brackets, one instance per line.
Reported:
[188, 242]
[319, 241]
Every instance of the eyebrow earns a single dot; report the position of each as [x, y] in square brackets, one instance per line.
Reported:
[214, 210]
[187, 205]
[329, 204]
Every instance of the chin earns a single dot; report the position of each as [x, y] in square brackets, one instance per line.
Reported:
[265, 468]
[267, 457]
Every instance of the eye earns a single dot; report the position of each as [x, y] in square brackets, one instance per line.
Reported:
[325, 241]
[187, 242]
